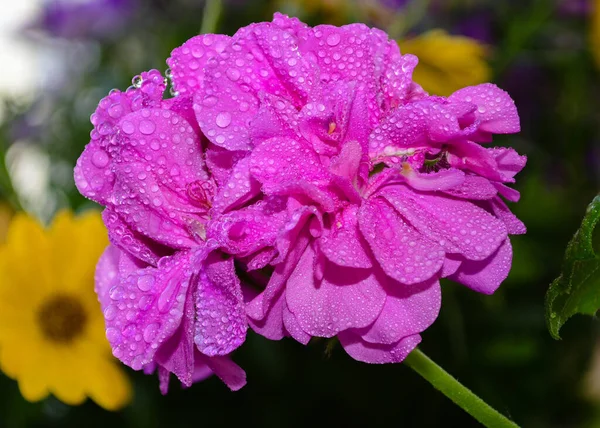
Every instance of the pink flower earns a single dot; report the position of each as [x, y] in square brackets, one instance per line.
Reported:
[169, 297]
[355, 186]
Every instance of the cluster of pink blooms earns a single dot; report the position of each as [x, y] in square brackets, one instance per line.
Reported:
[299, 183]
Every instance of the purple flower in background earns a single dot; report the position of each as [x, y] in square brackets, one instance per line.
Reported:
[101, 19]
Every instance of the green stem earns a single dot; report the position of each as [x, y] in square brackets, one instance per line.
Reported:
[455, 391]
[210, 17]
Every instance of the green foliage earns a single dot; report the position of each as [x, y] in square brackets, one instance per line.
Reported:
[577, 289]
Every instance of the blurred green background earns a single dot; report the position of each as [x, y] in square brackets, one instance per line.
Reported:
[59, 59]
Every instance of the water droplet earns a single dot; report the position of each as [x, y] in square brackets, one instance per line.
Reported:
[223, 119]
[333, 39]
[100, 159]
[150, 332]
[233, 73]
[145, 282]
[146, 127]
[137, 81]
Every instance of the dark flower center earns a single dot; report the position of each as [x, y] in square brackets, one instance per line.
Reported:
[62, 318]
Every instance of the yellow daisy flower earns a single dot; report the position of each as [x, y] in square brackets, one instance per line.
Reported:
[51, 326]
[447, 63]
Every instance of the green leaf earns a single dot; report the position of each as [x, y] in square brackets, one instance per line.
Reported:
[577, 289]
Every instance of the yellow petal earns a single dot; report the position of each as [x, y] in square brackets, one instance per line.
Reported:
[66, 364]
[24, 262]
[447, 63]
[108, 385]
[26, 362]
[76, 245]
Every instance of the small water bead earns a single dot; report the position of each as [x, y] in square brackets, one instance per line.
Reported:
[137, 81]
[100, 159]
[333, 39]
[147, 127]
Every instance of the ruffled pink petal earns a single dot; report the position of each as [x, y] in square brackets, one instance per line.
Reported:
[414, 125]
[473, 187]
[176, 354]
[344, 298]
[292, 326]
[442, 180]
[267, 322]
[343, 244]
[146, 308]
[485, 276]
[514, 226]
[93, 175]
[239, 188]
[220, 312]
[450, 266]
[188, 62]
[107, 274]
[260, 58]
[509, 161]
[496, 111]
[403, 253]
[377, 354]
[509, 193]
[280, 161]
[229, 372]
[121, 235]
[247, 230]
[407, 310]
[220, 162]
[456, 225]
[471, 156]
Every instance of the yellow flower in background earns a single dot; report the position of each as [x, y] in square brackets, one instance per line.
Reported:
[51, 326]
[447, 63]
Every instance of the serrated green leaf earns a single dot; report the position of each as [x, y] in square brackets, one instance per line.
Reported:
[577, 289]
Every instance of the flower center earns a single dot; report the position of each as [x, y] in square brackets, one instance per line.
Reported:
[62, 318]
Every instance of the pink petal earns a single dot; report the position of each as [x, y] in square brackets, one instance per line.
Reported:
[107, 273]
[509, 161]
[458, 226]
[188, 62]
[345, 298]
[471, 156]
[262, 54]
[343, 244]
[176, 354]
[403, 253]
[247, 230]
[239, 188]
[146, 308]
[407, 310]
[485, 276]
[514, 226]
[229, 372]
[93, 176]
[220, 162]
[442, 180]
[496, 111]
[377, 354]
[414, 125]
[292, 326]
[474, 187]
[508, 192]
[121, 235]
[267, 322]
[280, 161]
[221, 316]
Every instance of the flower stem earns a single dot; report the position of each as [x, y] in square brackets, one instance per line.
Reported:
[455, 391]
[210, 17]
